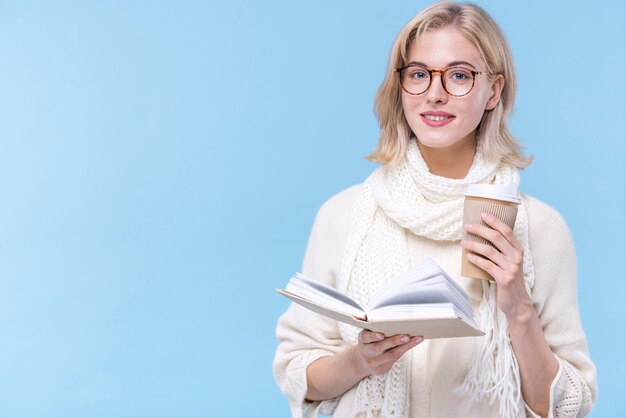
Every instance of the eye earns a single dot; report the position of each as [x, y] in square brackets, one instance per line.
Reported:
[459, 75]
[416, 73]
[419, 74]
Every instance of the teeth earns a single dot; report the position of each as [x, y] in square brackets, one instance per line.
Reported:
[433, 117]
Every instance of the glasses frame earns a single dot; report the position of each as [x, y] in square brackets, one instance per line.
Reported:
[441, 77]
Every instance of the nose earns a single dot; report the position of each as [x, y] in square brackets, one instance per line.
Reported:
[436, 93]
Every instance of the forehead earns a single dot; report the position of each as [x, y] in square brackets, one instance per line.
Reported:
[440, 47]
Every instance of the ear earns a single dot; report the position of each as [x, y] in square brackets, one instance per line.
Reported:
[496, 90]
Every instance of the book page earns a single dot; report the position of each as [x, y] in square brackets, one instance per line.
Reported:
[323, 295]
[411, 311]
[423, 283]
[419, 312]
[431, 291]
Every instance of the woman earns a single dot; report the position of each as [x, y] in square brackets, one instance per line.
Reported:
[443, 110]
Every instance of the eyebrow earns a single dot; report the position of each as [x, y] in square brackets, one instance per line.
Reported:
[450, 64]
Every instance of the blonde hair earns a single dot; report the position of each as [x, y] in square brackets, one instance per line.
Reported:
[493, 135]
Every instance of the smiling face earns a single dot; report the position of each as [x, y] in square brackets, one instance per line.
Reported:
[438, 120]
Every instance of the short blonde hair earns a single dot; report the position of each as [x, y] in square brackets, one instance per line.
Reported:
[493, 135]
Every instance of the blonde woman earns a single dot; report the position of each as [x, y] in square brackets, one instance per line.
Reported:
[443, 110]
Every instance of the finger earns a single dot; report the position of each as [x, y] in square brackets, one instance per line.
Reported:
[367, 336]
[399, 349]
[484, 264]
[392, 355]
[393, 341]
[386, 360]
[491, 235]
[486, 251]
[377, 349]
[503, 228]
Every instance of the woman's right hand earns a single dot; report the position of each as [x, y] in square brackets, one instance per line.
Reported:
[330, 376]
[375, 353]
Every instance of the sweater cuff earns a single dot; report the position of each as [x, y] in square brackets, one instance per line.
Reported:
[296, 384]
[569, 394]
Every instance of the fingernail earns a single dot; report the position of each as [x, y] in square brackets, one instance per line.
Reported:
[379, 336]
[484, 215]
[467, 226]
[463, 242]
[418, 340]
[404, 339]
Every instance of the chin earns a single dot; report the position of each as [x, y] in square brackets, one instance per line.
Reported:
[437, 143]
[446, 140]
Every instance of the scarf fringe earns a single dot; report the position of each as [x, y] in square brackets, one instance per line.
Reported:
[493, 372]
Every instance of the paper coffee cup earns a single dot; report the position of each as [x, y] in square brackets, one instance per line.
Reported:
[501, 201]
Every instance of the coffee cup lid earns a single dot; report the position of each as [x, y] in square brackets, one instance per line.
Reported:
[506, 192]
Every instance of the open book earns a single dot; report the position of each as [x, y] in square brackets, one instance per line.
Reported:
[422, 301]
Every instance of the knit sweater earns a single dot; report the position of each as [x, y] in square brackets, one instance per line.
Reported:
[438, 367]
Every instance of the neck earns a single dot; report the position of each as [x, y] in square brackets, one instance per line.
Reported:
[452, 162]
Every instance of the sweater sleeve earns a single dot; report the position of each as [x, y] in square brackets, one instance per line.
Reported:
[573, 391]
[305, 336]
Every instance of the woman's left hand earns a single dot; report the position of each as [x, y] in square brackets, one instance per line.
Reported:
[504, 263]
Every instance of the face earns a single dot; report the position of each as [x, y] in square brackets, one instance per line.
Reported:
[437, 119]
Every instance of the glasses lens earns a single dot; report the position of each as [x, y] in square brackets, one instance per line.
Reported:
[415, 80]
[458, 81]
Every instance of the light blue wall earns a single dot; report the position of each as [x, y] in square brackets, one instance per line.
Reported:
[161, 164]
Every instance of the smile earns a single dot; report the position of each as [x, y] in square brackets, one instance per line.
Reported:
[436, 118]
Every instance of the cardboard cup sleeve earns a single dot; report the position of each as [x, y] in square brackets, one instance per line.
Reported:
[472, 210]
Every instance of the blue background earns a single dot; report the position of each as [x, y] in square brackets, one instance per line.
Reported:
[161, 164]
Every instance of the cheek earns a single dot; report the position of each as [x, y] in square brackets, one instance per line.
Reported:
[406, 104]
[474, 116]
[407, 111]
[476, 108]
[482, 99]
[410, 107]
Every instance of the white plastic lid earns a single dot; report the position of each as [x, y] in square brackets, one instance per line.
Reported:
[506, 192]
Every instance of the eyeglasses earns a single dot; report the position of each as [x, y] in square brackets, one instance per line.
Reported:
[457, 81]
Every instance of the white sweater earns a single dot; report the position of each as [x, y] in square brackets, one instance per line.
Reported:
[439, 366]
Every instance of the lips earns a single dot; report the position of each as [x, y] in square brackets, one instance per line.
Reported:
[437, 118]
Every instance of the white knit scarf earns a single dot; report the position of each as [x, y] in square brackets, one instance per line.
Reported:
[409, 197]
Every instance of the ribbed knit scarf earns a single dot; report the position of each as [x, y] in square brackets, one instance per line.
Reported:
[409, 197]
